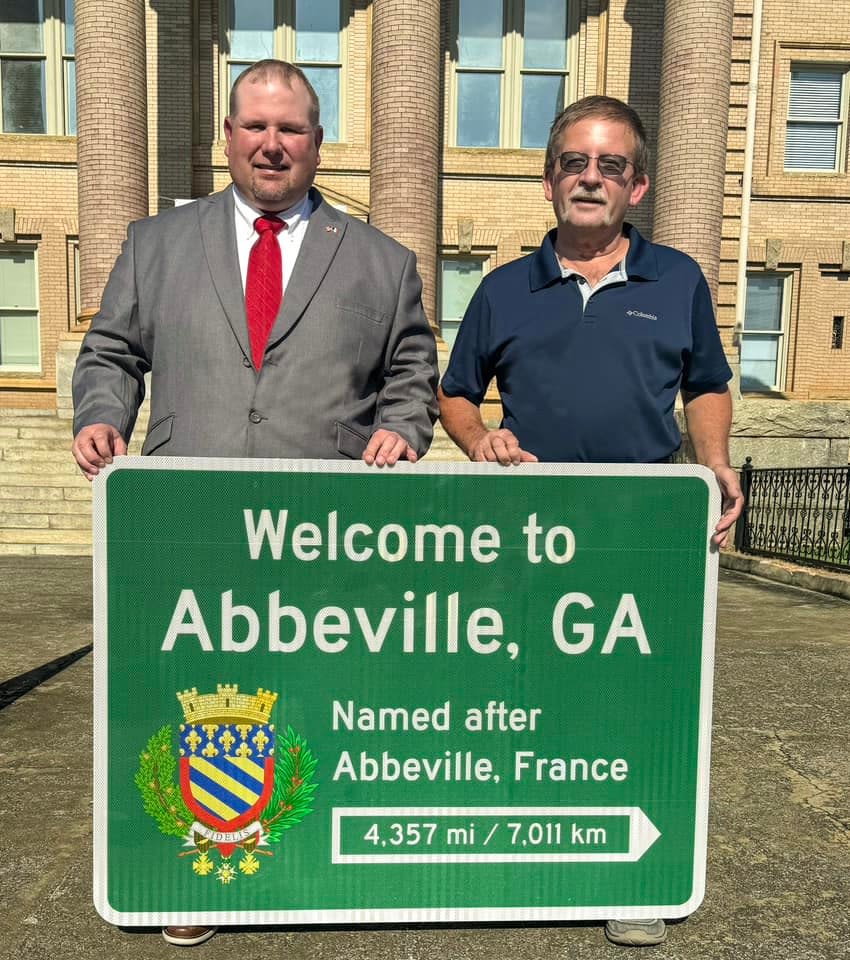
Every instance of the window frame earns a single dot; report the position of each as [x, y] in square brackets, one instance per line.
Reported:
[17, 368]
[55, 76]
[781, 335]
[511, 74]
[841, 122]
[284, 47]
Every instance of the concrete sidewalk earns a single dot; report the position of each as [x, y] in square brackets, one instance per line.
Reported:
[779, 836]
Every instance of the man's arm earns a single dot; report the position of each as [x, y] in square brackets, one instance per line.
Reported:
[108, 384]
[709, 417]
[463, 423]
[407, 402]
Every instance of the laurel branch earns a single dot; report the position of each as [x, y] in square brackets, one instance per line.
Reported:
[293, 786]
[155, 780]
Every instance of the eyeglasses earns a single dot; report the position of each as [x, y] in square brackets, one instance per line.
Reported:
[610, 165]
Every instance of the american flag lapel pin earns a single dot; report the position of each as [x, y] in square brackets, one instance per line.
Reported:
[330, 228]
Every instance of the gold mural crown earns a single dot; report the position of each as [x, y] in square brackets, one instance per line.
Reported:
[228, 705]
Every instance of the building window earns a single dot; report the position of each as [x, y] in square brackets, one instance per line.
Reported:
[459, 279]
[511, 74]
[305, 32]
[19, 336]
[763, 336]
[815, 139]
[37, 93]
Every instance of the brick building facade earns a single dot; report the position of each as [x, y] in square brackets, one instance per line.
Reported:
[435, 113]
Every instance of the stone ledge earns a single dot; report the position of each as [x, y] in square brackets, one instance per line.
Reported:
[792, 419]
[780, 571]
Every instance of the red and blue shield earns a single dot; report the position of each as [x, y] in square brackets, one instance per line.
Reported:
[227, 772]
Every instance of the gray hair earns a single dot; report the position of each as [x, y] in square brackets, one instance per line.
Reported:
[602, 108]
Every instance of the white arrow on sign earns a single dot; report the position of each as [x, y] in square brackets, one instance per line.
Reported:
[642, 834]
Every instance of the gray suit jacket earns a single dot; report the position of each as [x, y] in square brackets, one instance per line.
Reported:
[350, 351]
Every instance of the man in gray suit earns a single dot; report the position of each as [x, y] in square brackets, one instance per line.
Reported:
[349, 366]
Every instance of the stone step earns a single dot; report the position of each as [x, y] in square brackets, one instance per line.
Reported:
[41, 441]
[45, 549]
[48, 453]
[45, 502]
[33, 429]
[56, 537]
[47, 505]
[67, 520]
[25, 477]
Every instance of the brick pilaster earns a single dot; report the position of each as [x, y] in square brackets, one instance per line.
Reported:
[111, 134]
[405, 120]
[694, 117]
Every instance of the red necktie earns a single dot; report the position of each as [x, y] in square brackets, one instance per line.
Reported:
[264, 284]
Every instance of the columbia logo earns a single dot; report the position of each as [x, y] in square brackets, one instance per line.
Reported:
[640, 313]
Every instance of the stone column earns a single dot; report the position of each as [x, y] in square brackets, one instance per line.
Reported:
[112, 135]
[112, 154]
[405, 121]
[694, 118]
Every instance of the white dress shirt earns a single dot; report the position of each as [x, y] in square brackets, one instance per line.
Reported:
[290, 239]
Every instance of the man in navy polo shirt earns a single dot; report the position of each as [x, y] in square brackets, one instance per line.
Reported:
[592, 337]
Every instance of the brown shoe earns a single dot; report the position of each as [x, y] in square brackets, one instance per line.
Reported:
[187, 936]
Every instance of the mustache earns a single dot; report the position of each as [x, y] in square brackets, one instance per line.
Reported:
[592, 197]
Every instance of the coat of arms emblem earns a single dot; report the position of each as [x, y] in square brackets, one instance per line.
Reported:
[241, 784]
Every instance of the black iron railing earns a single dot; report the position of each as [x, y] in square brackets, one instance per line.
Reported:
[800, 514]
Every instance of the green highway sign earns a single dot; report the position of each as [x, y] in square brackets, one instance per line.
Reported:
[329, 693]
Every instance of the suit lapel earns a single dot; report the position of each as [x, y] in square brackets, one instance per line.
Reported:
[218, 236]
[324, 235]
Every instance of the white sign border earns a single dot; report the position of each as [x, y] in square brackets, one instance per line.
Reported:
[393, 916]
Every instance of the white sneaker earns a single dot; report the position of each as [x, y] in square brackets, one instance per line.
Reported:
[636, 933]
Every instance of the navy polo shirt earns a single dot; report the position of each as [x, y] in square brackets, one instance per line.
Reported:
[593, 383]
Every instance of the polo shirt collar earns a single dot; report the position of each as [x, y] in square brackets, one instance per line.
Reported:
[641, 262]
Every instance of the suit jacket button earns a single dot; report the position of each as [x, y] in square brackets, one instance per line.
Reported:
[254, 417]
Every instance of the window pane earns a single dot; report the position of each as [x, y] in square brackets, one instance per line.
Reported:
[19, 339]
[17, 279]
[251, 29]
[542, 99]
[545, 34]
[763, 310]
[325, 82]
[811, 146]
[69, 27]
[70, 98]
[448, 331]
[758, 362]
[235, 70]
[815, 94]
[317, 30]
[23, 96]
[21, 26]
[480, 33]
[459, 280]
[478, 109]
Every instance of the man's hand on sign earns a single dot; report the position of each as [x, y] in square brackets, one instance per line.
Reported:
[499, 446]
[732, 503]
[95, 446]
[386, 448]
